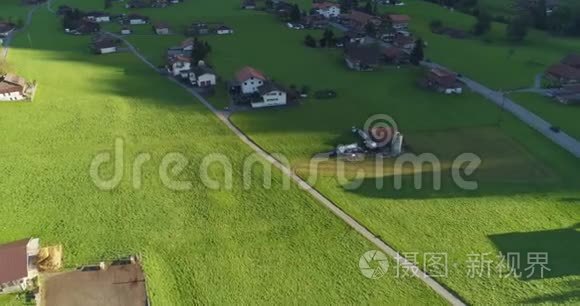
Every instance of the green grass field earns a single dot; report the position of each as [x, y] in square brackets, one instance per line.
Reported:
[201, 246]
[527, 199]
[506, 65]
[528, 186]
[564, 116]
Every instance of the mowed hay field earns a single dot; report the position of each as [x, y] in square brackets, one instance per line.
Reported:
[199, 246]
[527, 198]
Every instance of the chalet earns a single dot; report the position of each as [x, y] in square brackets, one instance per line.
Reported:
[563, 74]
[362, 57]
[272, 94]
[179, 65]
[248, 4]
[13, 88]
[161, 28]
[442, 81]
[395, 56]
[188, 44]
[198, 28]
[104, 47]
[572, 60]
[359, 19]
[6, 28]
[98, 17]
[202, 76]
[398, 22]
[18, 264]
[159, 3]
[224, 30]
[249, 80]
[404, 42]
[327, 9]
[314, 21]
[354, 36]
[137, 19]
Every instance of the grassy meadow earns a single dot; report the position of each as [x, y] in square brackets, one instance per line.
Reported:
[563, 116]
[200, 246]
[528, 193]
[528, 196]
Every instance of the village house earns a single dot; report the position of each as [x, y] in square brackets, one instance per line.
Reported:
[13, 88]
[362, 57]
[398, 22]
[359, 20]
[249, 80]
[161, 28]
[135, 19]
[18, 264]
[248, 4]
[224, 30]
[98, 17]
[179, 65]
[404, 42]
[327, 9]
[264, 93]
[442, 81]
[567, 95]
[395, 56]
[314, 21]
[572, 60]
[6, 28]
[355, 36]
[188, 44]
[104, 47]
[272, 95]
[198, 28]
[563, 74]
[202, 76]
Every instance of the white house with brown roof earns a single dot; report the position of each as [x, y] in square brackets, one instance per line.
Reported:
[161, 28]
[12, 88]
[327, 9]
[18, 264]
[399, 22]
[250, 80]
[179, 65]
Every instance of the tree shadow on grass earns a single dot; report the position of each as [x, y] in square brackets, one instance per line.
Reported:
[562, 247]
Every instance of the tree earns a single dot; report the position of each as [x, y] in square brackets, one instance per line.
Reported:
[295, 14]
[418, 54]
[309, 41]
[328, 37]
[200, 50]
[517, 29]
[436, 25]
[483, 23]
[370, 29]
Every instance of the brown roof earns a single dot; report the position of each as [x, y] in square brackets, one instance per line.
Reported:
[364, 54]
[324, 5]
[398, 18]
[161, 25]
[187, 42]
[572, 60]
[392, 52]
[13, 261]
[12, 83]
[564, 72]
[179, 58]
[443, 78]
[249, 72]
[361, 17]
